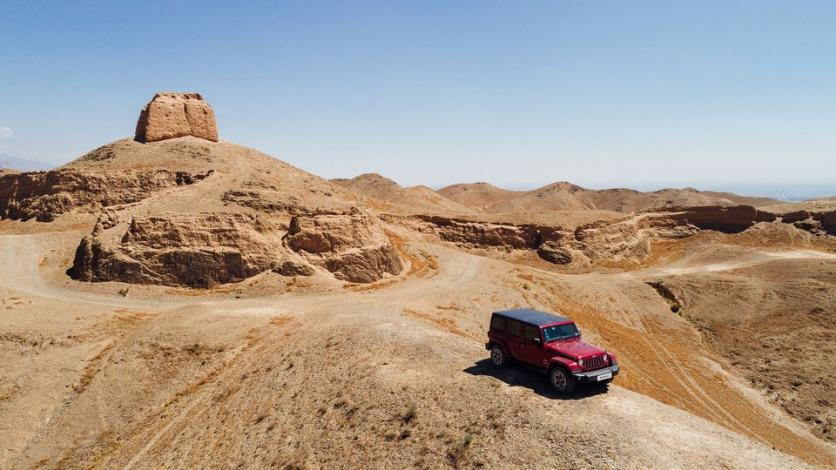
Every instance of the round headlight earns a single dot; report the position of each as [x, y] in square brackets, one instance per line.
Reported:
[580, 362]
[606, 358]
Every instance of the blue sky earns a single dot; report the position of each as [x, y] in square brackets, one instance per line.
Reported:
[600, 93]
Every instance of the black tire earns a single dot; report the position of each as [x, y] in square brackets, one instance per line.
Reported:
[561, 380]
[499, 358]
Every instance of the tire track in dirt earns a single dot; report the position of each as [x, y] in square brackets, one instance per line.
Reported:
[156, 437]
[694, 389]
[646, 348]
[687, 384]
[118, 330]
[21, 255]
[194, 392]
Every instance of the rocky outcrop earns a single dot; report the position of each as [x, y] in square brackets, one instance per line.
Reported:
[827, 222]
[619, 242]
[730, 219]
[294, 268]
[265, 201]
[814, 222]
[46, 195]
[473, 233]
[352, 246]
[552, 252]
[204, 250]
[181, 250]
[628, 240]
[170, 115]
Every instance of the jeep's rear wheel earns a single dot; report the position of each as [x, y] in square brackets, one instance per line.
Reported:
[561, 380]
[498, 357]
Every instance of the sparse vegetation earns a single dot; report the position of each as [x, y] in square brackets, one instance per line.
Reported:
[457, 454]
[410, 415]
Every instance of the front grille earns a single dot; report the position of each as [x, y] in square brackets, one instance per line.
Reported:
[594, 363]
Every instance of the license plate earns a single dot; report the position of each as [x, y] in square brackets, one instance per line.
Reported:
[606, 376]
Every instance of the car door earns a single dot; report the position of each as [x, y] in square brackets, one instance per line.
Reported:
[514, 331]
[531, 346]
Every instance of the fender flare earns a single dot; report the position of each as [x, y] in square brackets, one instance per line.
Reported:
[501, 344]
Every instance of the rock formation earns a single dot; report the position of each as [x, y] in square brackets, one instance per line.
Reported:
[616, 242]
[170, 115]
[202, 250]
[733, 219]
[552, 252]
[476, 234]
[814, 222]
[46, 195]
[198, 250]
[629, 240]
[352, 246]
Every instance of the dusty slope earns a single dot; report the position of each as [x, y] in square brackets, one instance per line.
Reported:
[241, 176]
[165, 176]
[775, 322]
[387, 195]
[478, 195]
[162, 380]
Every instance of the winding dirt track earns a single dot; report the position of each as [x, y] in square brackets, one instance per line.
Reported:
[750, 258]
[453, 301]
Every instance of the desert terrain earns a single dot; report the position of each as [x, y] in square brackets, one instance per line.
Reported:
[173, 300]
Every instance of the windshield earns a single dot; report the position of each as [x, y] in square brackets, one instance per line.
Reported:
[554, 333]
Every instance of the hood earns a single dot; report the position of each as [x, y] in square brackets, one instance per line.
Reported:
[574, 348]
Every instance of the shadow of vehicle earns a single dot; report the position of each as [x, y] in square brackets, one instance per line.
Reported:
[520, 375]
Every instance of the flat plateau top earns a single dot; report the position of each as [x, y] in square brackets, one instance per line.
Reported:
[533, 317]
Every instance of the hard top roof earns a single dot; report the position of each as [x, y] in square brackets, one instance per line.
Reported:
[532, 317]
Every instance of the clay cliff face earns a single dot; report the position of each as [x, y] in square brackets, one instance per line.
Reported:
[46, 195]
[815, 222]
[198, 250]
[351, 246]
[616, 242]
[203, 250]
[170, 115]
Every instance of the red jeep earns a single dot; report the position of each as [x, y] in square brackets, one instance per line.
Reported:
[550, 343]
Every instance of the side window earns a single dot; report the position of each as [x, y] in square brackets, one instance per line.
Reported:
[514, 328]
[530, 333]
[497, 323]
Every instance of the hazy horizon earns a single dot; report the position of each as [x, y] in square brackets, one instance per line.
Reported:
[787, 191]
[712, 96]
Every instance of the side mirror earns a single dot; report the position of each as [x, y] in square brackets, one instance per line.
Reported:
[537, 341]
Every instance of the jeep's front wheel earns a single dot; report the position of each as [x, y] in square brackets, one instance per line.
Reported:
[561, 380]
[498, 357]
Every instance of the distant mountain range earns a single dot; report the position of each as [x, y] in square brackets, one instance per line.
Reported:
[561, 196]
[19, 164]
